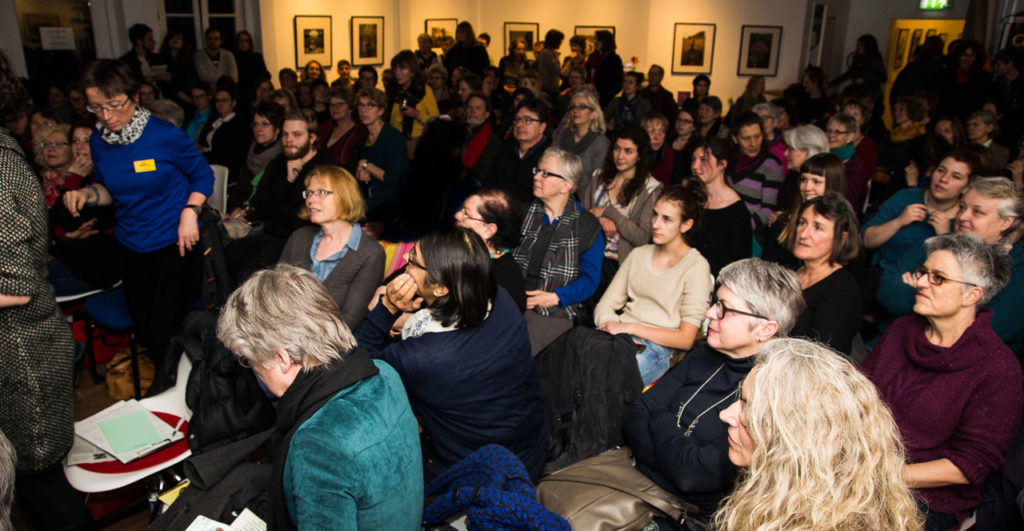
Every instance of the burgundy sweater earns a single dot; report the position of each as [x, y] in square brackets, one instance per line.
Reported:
[962, 403]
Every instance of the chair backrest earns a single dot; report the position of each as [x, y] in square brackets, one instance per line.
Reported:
[219, 198]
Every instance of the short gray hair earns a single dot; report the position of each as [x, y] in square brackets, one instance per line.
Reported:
[984, 265]
[284, 308]
[768, 289]
[807, 138]
[168, 110]
[848, 122]
[8, 468]
[769, 108]
[569, 164]
[1007, 193]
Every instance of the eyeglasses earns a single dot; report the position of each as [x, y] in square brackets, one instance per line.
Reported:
[526, 120]
[306, 194]
[837, 132]
[410, 257]
[365, 105]
[465, 215]
[244, 362]
[579, 107]
[545, 173]
[721, 309]
[686, 121]
[261, 125]
[59, 143]
[110, 107]
[935, 278]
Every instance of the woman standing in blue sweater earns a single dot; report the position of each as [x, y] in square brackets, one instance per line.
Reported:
[158, 181]
[464, 358]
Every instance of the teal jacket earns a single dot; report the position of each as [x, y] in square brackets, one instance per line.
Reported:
[356, 463]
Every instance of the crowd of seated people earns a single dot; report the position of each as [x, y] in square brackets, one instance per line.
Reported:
[461, 217]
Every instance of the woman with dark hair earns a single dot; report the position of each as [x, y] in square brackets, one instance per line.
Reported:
[176, 53]
[37, 412]
[313, 70]
[496, 217]
[812, 101]
[464, 357]
[348, 262]
[866, 66]
[547, 63]
[621, 196]
[709, 118]
[339, 135]
[158, 219]
[756, 174]
[483, 143]
[467, 51]
[410, 104]
[513, 64]
[604, 67]
[267, 121]
[656, 125]
[819, 175]
[953, 387]
[684, 141]
[963, 84]
[826, 239]
[251, 66]
[660, 294]
[726, 234]
[385, 155]
[903, 146]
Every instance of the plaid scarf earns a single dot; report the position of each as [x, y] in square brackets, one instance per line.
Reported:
[561, 263]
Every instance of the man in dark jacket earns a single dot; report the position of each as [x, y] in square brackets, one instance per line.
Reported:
[513, 169]
[141, 57]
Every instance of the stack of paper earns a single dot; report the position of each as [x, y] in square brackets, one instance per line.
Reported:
[127, 431]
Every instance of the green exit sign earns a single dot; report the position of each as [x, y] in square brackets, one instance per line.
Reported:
[935, 5]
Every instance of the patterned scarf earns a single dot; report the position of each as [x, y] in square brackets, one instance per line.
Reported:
[561, 263]
[127, 134]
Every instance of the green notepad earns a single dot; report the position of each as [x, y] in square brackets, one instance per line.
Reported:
[130, 432]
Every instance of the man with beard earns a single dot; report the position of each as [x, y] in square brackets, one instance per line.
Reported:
[277, 203]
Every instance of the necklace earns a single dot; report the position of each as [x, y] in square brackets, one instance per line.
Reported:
[692, 425]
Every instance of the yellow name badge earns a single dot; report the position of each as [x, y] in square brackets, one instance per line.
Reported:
[142, 166]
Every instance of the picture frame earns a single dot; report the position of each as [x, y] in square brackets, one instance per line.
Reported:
[527, 31]
[313, 40]
[367, 34]
[440, 29]
[33, 21]
[900, 53]
[816, 33]
[588, 33]
[916, 40]
[759, 50]
[693, 48]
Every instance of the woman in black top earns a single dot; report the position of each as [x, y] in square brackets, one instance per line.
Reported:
[495, 216]
[825, 239]
[726, 234]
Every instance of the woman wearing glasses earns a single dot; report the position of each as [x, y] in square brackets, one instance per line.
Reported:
[806, 419]
[673, 429]
[158, 180]
[684, 143]
[384, 156]
[954, 388]
[339, 136]
[59, 169]
[496, 217]
[464, 355]
[584, 133]
[348, 262]
[267, 122]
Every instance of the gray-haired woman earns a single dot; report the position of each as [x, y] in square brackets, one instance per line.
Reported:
[954, 388]
[802, 143]
[673, 429]
[341, 415]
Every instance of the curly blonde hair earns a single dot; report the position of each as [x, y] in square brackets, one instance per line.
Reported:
[827, 453]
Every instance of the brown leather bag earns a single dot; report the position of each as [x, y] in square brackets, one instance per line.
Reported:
[119, 375]
[606, 492]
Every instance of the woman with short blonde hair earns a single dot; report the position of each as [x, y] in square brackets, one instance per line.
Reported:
[819, 449]
[583, 133]
[348, 262]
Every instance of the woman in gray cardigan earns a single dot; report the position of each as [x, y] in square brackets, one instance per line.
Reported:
[582, 133]
[622, 194]
[348, 262]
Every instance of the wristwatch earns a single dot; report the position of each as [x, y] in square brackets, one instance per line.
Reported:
[198, 209]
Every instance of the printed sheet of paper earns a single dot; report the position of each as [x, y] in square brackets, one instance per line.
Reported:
[127, 431]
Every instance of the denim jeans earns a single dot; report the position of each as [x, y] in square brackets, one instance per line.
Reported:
[653, 360]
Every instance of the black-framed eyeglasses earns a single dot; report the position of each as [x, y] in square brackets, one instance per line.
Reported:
[935, 278]
[306, 194]
[526, 120]
[244, 362]
[110, 107]
[721, 309]
[545, 173]
[410, 257]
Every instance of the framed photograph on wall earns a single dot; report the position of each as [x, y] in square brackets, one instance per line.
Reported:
[313, 40]
[440, 30]
[367, 41]
[527, 32]
[759, 50]
[902, 43]
[693, 48]
[588, 32]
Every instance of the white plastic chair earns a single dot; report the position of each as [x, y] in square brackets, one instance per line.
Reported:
[170, 401]
[219, 198]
